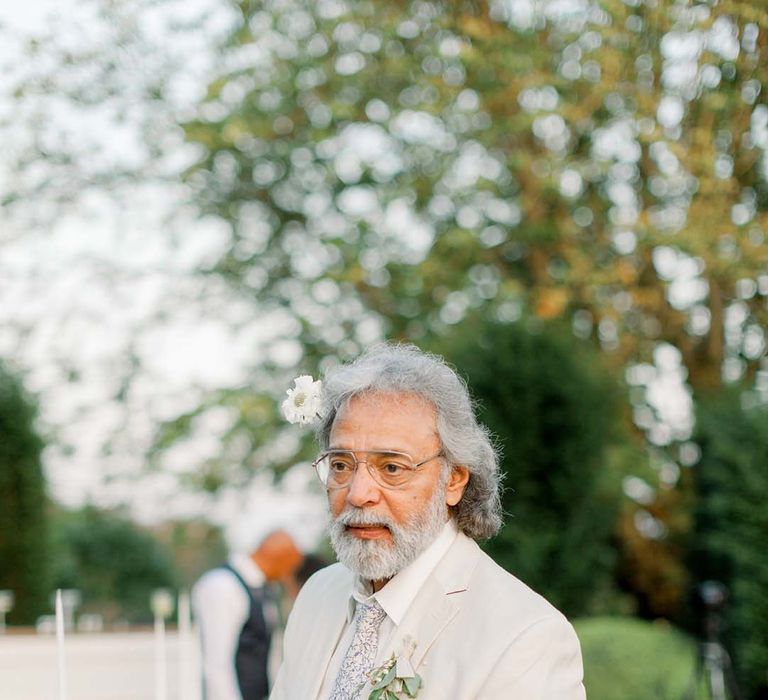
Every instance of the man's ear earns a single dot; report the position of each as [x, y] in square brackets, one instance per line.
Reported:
[457, 482]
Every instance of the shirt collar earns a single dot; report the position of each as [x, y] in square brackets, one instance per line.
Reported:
[398, 593]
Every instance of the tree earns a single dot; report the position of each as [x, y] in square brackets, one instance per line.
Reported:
[196, 546]
[731, 525]
[554, 413]
[24, 552]
[114, 563]
[432, 157]
[382, 170]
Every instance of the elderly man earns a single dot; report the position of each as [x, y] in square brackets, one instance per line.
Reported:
[414, 606]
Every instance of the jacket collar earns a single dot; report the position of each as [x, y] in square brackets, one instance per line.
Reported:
[434, 606]
[438, 601]
[396, 597]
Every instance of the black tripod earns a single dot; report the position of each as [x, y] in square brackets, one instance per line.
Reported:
[713, 664]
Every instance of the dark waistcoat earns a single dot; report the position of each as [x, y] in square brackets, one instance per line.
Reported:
[253, 646]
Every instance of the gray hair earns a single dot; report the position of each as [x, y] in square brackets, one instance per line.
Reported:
[390, 368]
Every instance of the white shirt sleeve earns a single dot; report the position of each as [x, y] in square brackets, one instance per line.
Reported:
[221, 608]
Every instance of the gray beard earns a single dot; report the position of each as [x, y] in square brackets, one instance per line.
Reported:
[376, 560]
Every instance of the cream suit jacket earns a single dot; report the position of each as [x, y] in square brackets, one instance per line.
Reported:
[480, 633]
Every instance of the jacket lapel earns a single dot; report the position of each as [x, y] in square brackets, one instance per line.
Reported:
[328, 625]
[437, 602]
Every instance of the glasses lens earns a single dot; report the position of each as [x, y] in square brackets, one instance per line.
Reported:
[335, 469]
[391, 470]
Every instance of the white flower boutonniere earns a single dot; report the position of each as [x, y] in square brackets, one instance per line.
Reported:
[303, 403]
[396, 678]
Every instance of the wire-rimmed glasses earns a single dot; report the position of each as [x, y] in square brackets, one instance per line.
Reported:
[390, 469]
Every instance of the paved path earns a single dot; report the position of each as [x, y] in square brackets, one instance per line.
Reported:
[117, 666]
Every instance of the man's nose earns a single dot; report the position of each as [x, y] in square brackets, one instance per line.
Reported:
[363, 490]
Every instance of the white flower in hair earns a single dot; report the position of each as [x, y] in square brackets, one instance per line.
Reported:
[303, 403]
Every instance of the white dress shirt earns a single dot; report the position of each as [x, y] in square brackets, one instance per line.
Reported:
[395, 598]
[222, 606]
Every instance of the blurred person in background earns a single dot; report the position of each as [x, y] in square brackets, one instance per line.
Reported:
[414, 605]
[311, 565]
[236, 613]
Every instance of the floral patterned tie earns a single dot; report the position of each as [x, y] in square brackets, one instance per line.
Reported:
[361, 653]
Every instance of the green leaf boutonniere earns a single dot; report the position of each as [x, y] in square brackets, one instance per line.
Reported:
[395, 679]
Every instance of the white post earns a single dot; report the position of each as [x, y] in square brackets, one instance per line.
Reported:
[6, 605]
[162, 607]
[185, 647]
[70, 600]
[161, 682]
[60, 647]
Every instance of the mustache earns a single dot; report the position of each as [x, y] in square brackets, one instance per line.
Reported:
[363, 517]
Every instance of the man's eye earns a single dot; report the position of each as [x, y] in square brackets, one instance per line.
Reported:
[340, 466]
[392, 468]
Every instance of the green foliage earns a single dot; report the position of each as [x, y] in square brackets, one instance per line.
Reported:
[554, 413]
[24, 559]
[628, 659]
[428, 158]
[196, 546]
[729, 543]
[241, 454]
[115, 564]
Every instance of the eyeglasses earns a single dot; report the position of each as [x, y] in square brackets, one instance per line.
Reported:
[389, 469]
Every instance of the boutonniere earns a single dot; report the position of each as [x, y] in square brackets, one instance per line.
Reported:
[304, 400]
[396, 678]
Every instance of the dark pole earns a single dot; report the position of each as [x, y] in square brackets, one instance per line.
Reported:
[713, 662]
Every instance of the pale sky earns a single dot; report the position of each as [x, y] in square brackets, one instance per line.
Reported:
[106, 279]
